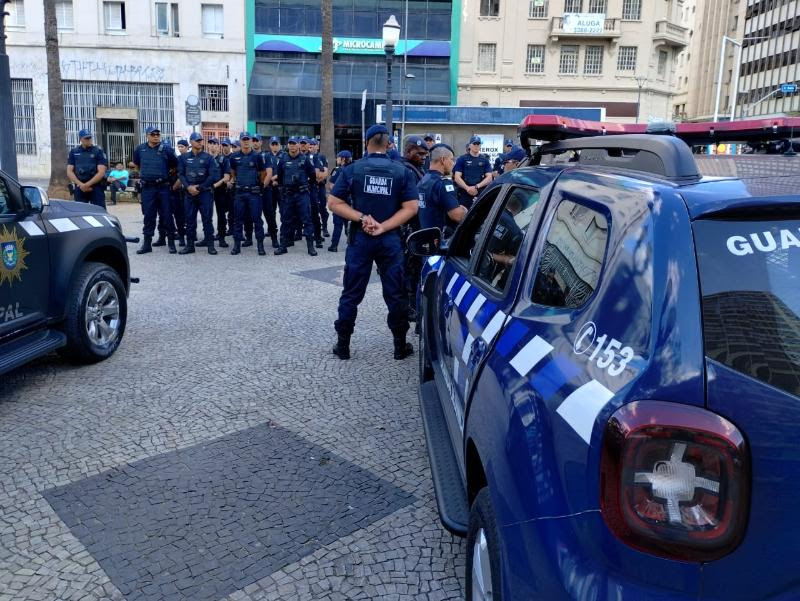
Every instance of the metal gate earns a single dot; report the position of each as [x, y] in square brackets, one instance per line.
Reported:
[118, 141]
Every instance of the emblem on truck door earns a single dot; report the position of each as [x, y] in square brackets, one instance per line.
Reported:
[12, 250]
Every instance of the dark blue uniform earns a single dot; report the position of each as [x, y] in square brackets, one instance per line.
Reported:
[155, 163]
[85, 162]
[198, 170]
[437, 196]
[473, 170]
[277, 199]
[338, 222]
[322, 196]
[314, 194]
[248, 169]
[176, 205]
[377, 186]
[294, 177]
[222, 196]
[268, 199]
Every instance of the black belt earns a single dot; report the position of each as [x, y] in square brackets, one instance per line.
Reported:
[250, 189]
[154, 182]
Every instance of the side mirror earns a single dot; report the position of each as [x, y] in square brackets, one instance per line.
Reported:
[425, 243]
[35, 198]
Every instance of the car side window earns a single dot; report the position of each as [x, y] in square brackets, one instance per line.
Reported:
[469, 233]
[500, 252]
[572, 257]
[5, 198]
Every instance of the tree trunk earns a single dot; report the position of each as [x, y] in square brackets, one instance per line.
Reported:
[327, 125]
[58, 187]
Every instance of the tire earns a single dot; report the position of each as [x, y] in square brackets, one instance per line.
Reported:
[484, 580]
[90, 302]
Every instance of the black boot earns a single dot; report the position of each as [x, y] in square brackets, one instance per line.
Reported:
[260, 247]
[332, 249]
[289, 243]
[319, 243]
[181, 240]
[310, 243]
[222, 243]
[237, 247]
[402, 349]
[325, 232]
[171, 245]
[298, 237]
[248, 242]
[161, 240]
[146, 247]
[342, 347]
[281, 250]
[211, 249]
[202, 243]
[188, 248]
[274, 241]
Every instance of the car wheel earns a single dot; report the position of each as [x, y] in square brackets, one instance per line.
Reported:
[483, 551]
[97, 311]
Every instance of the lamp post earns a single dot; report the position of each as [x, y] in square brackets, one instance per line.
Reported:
[640, 81]
[391, 35]
[735, 73]
[8, 147]
[406, 83]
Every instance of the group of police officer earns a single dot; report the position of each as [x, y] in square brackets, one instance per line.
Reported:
[379, 200]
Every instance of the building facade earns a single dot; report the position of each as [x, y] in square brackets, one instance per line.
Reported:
[284, 62]
[618, 54]
[770, 57]
[126, 65]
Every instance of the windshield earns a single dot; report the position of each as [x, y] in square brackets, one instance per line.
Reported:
[750, 281]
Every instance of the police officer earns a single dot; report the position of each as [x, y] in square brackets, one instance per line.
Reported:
[276, 154]
[267, 201]
[384, 197]
[248, 221]
[86, 169]
[472, 173]
[438, 203]
[343, 159]
[295, 175]
[415, 153]
[248, 170]
[219, 188]
[315, 195]
[197, 171]
[513, 158]
[154, 160]
[322, 178]
[499, 161]
[227, 150]
[176, 202]
[429, 142]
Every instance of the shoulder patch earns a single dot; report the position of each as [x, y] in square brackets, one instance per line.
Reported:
[449, 187]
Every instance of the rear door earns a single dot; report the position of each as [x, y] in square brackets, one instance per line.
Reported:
[24, 264]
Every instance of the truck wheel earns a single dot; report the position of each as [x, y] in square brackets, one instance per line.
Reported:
[97, 311]
[483, 551]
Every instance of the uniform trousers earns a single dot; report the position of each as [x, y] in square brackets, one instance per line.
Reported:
[95, 196]
[296, 214]
[156, 201]
[203, 203]
[247, 205]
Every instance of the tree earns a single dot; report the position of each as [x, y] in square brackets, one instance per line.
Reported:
[326, 124]
[58, 187]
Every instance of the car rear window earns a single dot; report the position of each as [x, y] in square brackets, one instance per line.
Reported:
[750, 282]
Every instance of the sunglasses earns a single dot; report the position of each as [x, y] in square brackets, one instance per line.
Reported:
[155, 133]
[244, 139]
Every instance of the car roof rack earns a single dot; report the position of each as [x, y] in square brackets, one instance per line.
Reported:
[663, 156]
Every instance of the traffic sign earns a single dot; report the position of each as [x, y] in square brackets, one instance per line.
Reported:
[788, 88]
[193, 114]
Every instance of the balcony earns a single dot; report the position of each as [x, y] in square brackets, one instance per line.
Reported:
[669, 34]
[567, 29]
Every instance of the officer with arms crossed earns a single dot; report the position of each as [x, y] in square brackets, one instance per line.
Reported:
[384, 197]
[198, 172]
[438, 204]
[248, 171]
[86, 168]
[296, 173]
[472, 173]
[154, 160]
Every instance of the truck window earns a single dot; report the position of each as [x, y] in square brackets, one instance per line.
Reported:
[469, 233]
[750, 285]
[500, 252]
[572, 258]
[5, 199]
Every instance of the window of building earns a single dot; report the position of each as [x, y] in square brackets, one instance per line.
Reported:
[538, 9]
[535, 60]
[631, 10]
[114, 16]
[593, 60]
[213, 98]
[24, 115]
[663, 56]
[598, 6]
[573, 6]
[16, 13]
[568, 62]
[490, 8]
[64, 15]
[572, 258]
[213, 21]
[166, 18]
[215, 130]
[487, 57]
[626, 58]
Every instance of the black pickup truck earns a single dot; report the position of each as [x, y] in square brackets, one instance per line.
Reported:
[64, 278]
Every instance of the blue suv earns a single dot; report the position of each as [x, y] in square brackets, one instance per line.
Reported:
[610, 376]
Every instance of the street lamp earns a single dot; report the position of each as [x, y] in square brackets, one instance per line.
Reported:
[406, 84]
[640, 81]
[735, 73]
[391, 35]
[8, 147]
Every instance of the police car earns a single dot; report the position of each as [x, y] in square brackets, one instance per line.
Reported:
[64, 278]
[610, 370]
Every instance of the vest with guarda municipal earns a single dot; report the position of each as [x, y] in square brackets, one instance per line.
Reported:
[247, 167]
[296, 172]
[474, 169]
[197, 167]
[377, 186]
[154, 162]
[86, 161]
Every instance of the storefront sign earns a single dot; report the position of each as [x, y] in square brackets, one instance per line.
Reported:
[313, 44]
[492, 145]
[586, 23]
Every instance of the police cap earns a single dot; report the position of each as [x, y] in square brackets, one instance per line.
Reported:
[376, 130]
[196, 137]
[235, 144]
[274, 140]
[213, 140]
[245, 135]
[256, 138]
[84, 133]
[303, 140]
[515, 154]
[292, 140]
[415, 142]
[313, 142]
[430, 137]
[475, 140]
[344, 154]
[152, 129]
[226, 141]
[183, 142]
[509, 142]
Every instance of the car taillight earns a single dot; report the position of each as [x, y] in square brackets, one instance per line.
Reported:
[675, 480]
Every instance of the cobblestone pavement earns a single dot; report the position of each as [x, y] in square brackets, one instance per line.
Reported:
[223, 453]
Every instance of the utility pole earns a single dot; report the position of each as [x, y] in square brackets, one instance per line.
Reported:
[8, 145]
